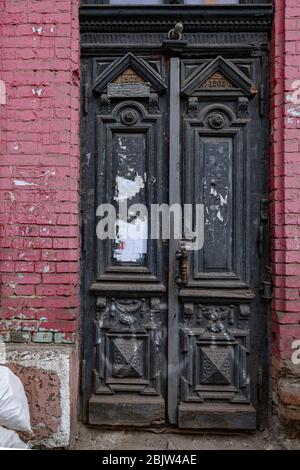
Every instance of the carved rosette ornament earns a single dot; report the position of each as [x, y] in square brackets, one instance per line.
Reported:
[216, 120]
[129, 117]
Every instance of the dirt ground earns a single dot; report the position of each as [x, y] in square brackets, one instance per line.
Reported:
[89, 438]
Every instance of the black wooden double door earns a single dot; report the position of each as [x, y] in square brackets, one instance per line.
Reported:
[173, 334]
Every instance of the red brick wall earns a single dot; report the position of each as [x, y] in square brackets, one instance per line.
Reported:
[285, 198]
[39, 170]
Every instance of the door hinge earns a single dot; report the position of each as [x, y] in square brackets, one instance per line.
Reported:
[266, 287]
[97, 333]
[262, 92]
[83, 233]
[83, 388]
[264, 207]
[83, 375]
[261, 99]
[86, 90]
[259, 384]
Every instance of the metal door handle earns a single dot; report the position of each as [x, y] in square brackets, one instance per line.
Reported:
[183, 258]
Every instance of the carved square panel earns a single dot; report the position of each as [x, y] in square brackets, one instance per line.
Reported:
[127, 346]
[216, 365]
[128, 358]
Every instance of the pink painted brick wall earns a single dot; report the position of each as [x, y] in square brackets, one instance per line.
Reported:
[39, 170]
[285, 176]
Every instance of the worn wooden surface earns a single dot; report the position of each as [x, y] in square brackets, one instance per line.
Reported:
[196, 353]
[130, 411]
[216, 416]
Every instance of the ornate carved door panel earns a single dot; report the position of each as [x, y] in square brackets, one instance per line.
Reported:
[172, 336]
[219, 300]
[126, 126]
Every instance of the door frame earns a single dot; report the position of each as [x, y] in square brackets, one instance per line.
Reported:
[213, 23]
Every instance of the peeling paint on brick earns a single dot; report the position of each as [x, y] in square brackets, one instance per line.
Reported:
[39, 190]
[40, 195]
[2, 92]
[23, 183]
[46, 377]
[38, 30]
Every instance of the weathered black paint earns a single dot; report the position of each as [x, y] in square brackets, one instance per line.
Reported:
[153, 351]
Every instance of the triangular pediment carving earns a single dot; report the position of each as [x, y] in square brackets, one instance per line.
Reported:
[129, 70]
[129, 76]
[218, 75]
[216, 81]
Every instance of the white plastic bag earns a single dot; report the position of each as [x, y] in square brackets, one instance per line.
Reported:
[14, 411]
[10, 440]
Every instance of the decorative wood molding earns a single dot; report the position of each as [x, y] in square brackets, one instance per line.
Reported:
[217, 80]
[128, 331]
[161, 18]
[140, 73]
[129, 76]
[219, 74]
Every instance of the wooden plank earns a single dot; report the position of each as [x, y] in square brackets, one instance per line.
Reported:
[232, 294]
[174, 197]
[127, 287]
[216, 416]
[126, 410]
[128, 90]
